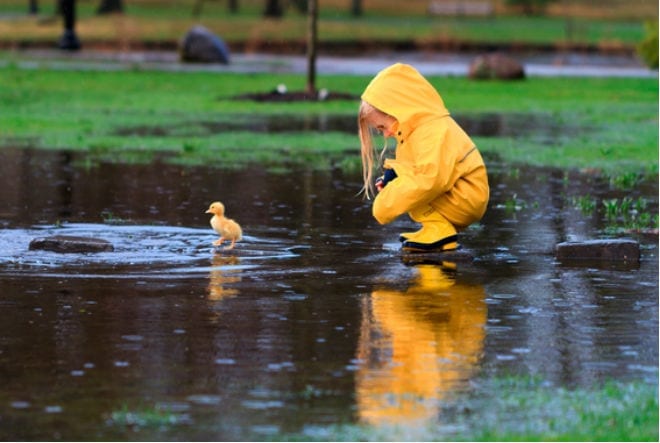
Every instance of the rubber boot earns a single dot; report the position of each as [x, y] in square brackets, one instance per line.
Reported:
[437, 233]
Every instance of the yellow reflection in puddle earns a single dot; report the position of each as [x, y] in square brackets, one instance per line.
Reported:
[222, 274]
[418, 345]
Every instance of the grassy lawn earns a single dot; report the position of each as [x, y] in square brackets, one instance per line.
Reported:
[606, 124]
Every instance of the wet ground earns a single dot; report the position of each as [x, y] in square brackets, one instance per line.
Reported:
[314, 319]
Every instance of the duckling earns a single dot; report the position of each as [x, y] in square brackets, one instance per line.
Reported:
[227, 228]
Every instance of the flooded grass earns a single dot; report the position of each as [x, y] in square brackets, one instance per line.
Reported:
[606, 124]
[523, 410]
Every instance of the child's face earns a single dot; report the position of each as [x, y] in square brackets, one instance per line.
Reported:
[386, 124]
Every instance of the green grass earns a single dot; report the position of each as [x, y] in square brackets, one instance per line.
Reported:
[167, 21]
[515, 408]
[523, 409]
[607, 124]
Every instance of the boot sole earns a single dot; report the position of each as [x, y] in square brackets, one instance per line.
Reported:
[446, 244]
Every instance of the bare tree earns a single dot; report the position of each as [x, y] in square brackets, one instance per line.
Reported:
[312, 19]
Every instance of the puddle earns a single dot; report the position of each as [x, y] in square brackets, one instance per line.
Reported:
[313, 320]
[481, 125]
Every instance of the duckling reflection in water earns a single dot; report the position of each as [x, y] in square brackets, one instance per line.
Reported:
[222, 274]
[227, 228]
[418, 345]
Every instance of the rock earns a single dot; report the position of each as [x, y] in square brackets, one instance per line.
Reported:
[610, 250]
[202, 46]
[496, 66]
[71, 244]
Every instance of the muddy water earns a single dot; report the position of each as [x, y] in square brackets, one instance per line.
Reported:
[314, 319]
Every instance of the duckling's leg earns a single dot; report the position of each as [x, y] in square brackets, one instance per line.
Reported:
[233, 242]
[219, 241]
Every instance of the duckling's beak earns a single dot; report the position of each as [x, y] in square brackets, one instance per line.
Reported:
[208, 211]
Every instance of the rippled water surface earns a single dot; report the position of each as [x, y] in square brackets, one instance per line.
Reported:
[314, 319]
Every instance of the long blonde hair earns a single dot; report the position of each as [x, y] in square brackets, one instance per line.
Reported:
[370, 157]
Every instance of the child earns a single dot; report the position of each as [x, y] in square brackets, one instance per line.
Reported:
[438, 176]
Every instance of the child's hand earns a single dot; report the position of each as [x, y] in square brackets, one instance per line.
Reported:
[383, 180]
[380, 183]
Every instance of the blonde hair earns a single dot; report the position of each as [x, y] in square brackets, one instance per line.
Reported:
[367, 150]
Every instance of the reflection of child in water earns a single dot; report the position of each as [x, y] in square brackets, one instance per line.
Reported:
[418, 346]
[438, 176]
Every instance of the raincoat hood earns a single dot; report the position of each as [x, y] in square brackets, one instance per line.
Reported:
[402, 92]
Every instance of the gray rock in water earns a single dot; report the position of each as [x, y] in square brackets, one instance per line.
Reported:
[611, 250]
[202, 46]
[496, 66]
[71, 244]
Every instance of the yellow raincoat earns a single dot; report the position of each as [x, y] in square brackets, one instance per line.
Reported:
[442, 181]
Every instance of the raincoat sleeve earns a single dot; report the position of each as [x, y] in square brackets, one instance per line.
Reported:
[425, 166]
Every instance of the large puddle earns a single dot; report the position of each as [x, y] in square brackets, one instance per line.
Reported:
[314, 319]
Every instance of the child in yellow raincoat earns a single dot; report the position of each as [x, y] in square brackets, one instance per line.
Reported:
[437, 176]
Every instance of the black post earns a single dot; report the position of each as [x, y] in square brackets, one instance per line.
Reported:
[69, 39]
[312, 39]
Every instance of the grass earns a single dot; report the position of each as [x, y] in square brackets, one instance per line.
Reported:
[145, 418]
[503, 409]
[166, 21]
[523, 409]
[609, 124]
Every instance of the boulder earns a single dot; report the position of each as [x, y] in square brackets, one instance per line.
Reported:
[608, 250]
[202, 46]
[496, 66]
[71, 244]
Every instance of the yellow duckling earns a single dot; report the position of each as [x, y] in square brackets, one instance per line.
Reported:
[227, 228]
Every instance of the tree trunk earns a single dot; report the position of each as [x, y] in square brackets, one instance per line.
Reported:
[312, 19]
[273, 9]
[33, 7]
[69, 39]
[233, 6]
[301, 5]
[110, 6]
[356, 8]
[197, 8]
